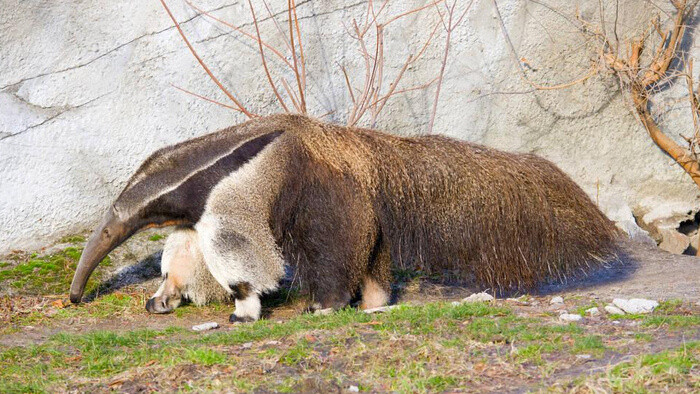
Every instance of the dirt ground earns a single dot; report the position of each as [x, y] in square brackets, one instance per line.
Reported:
[508, 345]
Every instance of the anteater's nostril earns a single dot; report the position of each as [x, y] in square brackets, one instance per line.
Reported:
[164, 304]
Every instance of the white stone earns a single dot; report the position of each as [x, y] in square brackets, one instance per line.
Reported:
[613, 310]
[354, 389]
[518, 300]
[380, 309]
[636, 305]
[247, 345]
[323, 312]
[478, 297]
[206, 326]
[557, 300]
[583, 356]
[593, 311]
[570, 317]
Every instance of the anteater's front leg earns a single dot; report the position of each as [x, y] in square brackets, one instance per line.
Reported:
[243, 257]
[248, 307]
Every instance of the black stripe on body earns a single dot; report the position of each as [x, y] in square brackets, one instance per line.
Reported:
[185, 204]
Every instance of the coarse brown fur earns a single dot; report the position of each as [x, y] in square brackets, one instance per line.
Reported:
[343, 205]
[356, 201]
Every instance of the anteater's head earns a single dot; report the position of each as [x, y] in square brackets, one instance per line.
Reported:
[171, 188]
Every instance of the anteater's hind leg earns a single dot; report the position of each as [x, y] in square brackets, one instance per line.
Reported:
[376, 285]
[334, 234]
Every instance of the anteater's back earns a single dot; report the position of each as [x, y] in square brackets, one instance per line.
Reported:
[510, 221]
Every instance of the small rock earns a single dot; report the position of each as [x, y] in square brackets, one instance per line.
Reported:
[583, 356]
[616, 322]
[613, 310]
[478, 297]
[672, 241]
[206, 326]
[593, 311]
[354, 389]
[247, 345]
[557, 300]
[518, 301]
[636, 305]
[323, 312]
[455, 303]
[272, 343]
[570, 317]
[380, 309]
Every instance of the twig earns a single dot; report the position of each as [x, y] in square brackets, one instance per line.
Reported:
[204, 66]
[206, 98]
[264, 62]
[450, 25]
[523, 73]
[302, 100]
[238, 29]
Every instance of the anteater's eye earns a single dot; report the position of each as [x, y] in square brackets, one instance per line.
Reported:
[105, 232]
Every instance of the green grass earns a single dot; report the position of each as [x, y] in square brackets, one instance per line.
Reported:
[662, 318]
[48, 274]
[156, 237]
[668, 371]
[72, 239]
[592, 344]
[408, 349]
[106, 353]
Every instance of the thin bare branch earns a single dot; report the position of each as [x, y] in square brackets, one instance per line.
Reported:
[239, 30]
[348, 84]
[301, 51]
[264, 62]
[413, 11]
[302, 101]
[295, 103]
[450, 24]
[206, 98]
[204, 66]
[523, 73]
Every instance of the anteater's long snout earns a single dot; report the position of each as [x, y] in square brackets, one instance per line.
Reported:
[110, 234]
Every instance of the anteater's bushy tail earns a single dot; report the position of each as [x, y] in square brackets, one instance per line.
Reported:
[510, 221]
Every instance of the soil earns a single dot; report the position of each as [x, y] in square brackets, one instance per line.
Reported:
[643, 272]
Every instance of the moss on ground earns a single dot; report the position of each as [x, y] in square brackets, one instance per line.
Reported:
[46, 274]
[432, 347]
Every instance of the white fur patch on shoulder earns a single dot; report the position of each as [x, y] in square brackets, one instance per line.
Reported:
[179, 242]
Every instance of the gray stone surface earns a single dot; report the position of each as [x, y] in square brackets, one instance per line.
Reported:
[478, 297]
[672, 241]
[570, 317]
[557, 300]
[636, 305]
[613, 310]
[593, 311]
[86, 95]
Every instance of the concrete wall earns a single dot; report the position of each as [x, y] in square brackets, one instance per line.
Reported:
[86, 95]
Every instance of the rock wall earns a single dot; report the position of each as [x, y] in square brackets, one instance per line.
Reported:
[86, 94]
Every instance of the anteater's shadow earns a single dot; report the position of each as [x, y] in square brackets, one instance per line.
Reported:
[614, 271]
[618, 270]
[141, 272]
